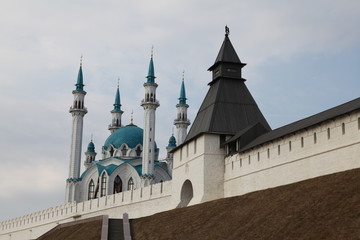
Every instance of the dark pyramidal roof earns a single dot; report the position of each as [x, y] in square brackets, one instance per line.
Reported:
[228, 106]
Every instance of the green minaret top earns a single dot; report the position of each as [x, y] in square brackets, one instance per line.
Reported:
[182, 98]
[79, 84]
[151, 74]
[117, 105]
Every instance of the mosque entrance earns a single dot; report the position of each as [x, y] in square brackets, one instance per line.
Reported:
[187, 194]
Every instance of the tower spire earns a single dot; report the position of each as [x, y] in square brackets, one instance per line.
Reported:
[149, 103]
[79, 83]
[116, 112]
[182, 122]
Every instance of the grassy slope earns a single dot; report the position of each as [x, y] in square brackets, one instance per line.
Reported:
[327, 207]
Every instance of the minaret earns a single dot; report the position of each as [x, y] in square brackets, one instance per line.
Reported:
[116, 113]
[149, 103]
[170, 156]
[181, 122]
[77, 111]
[90, 154]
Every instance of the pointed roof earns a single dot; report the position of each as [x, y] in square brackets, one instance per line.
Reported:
[228, 106]
[172, 141]
[182, 98]
[151, 73]
[117, 105]
[79, 84]
[227, 54]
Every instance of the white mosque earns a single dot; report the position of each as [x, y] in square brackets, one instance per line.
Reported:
[129, 155]
[229, 150]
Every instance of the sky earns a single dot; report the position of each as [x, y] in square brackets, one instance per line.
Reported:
[302, 58]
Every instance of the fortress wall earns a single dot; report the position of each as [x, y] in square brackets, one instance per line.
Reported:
[137, 203]
[332, 146]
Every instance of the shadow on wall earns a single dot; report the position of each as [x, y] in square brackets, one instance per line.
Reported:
[186, 194]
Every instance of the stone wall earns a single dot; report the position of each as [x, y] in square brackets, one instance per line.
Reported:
[326, 148]
[137, 203]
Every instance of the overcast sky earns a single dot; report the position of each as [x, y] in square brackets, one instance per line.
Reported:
[302, 58]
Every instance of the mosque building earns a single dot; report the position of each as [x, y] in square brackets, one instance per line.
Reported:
[129, 156]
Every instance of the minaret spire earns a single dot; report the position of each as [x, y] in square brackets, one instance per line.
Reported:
[149, 103]
[78, 112]
[182, 122]
[116, 112]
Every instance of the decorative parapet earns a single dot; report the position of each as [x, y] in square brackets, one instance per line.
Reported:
[70, 211]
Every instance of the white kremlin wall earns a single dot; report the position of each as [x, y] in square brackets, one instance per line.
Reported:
[137, 203]
[332, 146]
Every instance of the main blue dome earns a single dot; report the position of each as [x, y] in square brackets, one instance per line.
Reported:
[131, 134]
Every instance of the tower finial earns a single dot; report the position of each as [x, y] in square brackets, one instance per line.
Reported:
[227, 31]
[152, 51]
[81, 60]
[183, 74]
[91, 137]
[118, 82]
[132, 117]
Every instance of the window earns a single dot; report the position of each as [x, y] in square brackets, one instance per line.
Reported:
[240, 162]
[289, 146]
[302, 141]
[117, 185]
[343, 128]
[315, 139]
[187, 150]
[194, 146]
[328, 133]
[232, 165]
[278, 149]
[111, 151]
[138, 151]
[131, 184]
[258, 155]
[268, 153]
[180, 154]
[124, 150]
[103, 185]
[358, 123]
[91, 190]
[249, 159]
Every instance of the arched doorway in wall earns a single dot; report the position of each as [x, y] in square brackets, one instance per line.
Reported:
[187, 194]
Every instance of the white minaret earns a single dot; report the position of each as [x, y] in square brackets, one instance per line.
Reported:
[77, 111]
[181, 122]
[116, 113]
[149, 103]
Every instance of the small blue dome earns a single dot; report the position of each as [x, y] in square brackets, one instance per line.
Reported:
[172, 141]
[132, 135]
[91, 147]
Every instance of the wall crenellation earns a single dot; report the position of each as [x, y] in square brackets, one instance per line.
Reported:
[73, 210]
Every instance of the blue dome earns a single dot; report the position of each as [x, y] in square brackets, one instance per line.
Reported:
[132, 135]
[172, 141]
[91, 147]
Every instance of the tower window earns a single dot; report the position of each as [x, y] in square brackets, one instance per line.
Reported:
[195, 146]
[131, 184]
[278, 149]
[302, 141]
[117, 185]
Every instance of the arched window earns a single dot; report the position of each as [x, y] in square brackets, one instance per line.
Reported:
[91, 190]
[124, 150]
[103, 185]
[138, 151]
[111, 151]
[131, 184]
[117, 185]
